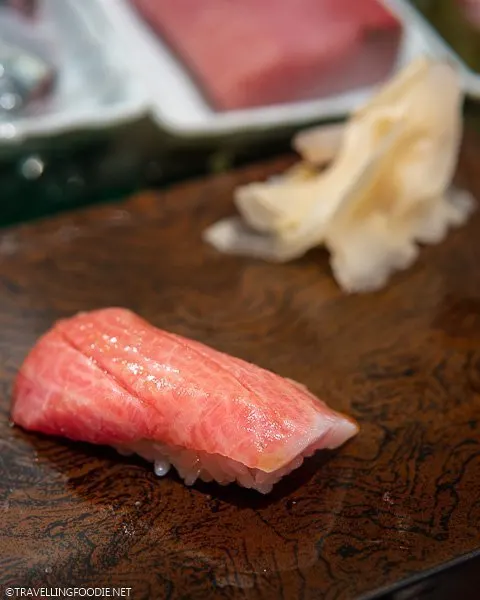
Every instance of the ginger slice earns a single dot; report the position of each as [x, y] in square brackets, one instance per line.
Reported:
[385, 191]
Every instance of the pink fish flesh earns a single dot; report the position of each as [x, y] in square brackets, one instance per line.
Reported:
[109, 377]
[258, 53]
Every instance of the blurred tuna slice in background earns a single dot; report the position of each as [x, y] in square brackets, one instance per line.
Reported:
[249, 53]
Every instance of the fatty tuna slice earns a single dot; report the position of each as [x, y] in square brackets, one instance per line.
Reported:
[109, 377]
[250, 53]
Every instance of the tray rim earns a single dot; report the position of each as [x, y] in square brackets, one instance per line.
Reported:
[147, 57]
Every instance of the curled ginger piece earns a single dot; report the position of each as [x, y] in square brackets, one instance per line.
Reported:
[386, 190]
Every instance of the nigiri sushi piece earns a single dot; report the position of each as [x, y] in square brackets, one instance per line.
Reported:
[108, 377]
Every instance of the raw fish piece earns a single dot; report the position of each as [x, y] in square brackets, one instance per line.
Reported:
[109, 377]
[252, 53]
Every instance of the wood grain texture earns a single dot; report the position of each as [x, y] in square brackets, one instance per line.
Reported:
[401, 498]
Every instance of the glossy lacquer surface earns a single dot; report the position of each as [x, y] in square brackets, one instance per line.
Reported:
[401, 498]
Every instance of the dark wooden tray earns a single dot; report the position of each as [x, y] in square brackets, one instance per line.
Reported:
[397, 504]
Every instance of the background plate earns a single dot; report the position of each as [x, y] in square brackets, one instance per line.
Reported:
[179, 108]
[95, 90]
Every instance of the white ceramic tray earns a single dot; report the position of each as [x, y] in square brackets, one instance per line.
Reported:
[178, 106]
[95, 89]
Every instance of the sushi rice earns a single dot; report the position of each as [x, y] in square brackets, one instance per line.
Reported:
[193, 465]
